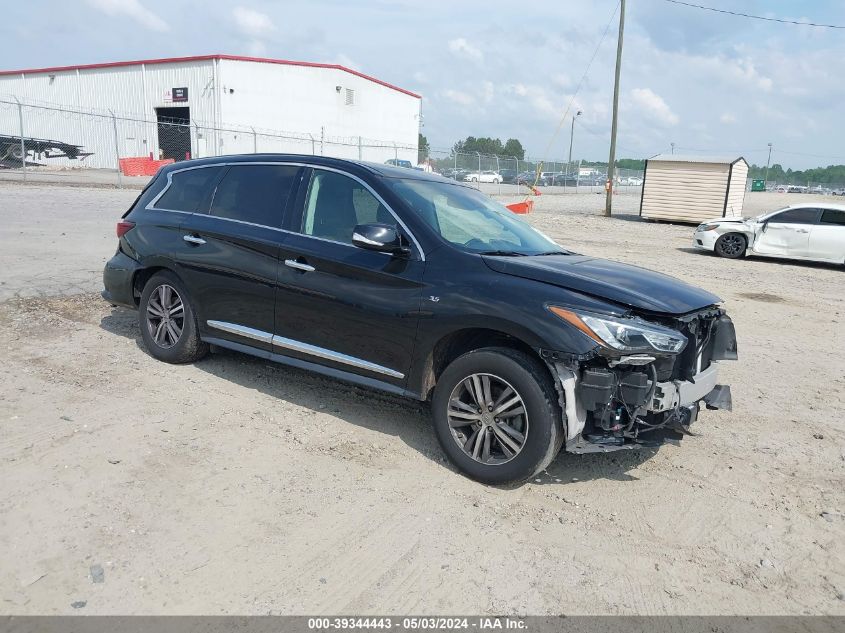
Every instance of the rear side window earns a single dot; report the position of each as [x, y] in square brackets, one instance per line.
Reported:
[833, 216]
[189, 189]
[803, 215]
[254, 193]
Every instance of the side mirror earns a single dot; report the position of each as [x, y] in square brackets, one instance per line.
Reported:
[383, 238]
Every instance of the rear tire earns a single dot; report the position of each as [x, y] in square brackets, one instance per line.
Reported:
[168, 321]
[731, 245]
[537, 432]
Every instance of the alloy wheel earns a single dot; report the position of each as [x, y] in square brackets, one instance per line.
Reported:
[165, 316]
[487, 419]
[732, 244]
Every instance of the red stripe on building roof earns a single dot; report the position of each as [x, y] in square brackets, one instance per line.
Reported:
[196, 58]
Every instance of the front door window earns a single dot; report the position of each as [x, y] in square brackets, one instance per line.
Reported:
[336, 204]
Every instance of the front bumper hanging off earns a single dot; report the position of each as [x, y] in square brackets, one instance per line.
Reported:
[678, 401]
[600, 415]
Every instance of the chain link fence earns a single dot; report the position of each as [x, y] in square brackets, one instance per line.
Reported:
[39, 137]
[512, 175]
[36, 137]
[808, 187]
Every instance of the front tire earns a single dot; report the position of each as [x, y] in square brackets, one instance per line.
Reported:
[731, 245]
[496, 415]
[168, 321]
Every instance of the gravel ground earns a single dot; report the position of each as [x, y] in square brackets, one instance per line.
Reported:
[236, 486]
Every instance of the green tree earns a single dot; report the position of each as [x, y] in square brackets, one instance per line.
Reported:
[514, 148]
[423, 149]
[833, 175]
[482, 145]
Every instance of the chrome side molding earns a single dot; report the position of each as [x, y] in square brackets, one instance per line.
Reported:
[304, 348]
[241, 330]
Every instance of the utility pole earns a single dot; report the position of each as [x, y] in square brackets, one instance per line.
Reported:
[571, 138]
[769, 160]
[673, 147]
[608, 206]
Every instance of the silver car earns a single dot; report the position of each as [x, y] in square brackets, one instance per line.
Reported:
[810, 231]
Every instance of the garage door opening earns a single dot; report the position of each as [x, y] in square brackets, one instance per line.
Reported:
[174, 133]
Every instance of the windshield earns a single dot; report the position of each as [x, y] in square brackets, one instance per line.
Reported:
[472, 221]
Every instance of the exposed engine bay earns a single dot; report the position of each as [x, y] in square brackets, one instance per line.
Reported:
[614, 401]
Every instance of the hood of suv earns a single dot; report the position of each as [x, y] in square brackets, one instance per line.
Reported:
[621, 283]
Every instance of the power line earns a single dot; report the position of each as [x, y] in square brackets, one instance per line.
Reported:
[581, 82]
[757, 17]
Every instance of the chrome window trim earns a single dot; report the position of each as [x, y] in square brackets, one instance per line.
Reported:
[151, 204]
[377, 197]
[304, 348]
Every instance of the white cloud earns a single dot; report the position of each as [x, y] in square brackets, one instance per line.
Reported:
[252, 23]
[460, 46]
[654, 106]
[420, 77]
[132, 9]
[518, 89]
[562, 81]
[487, 91]
[538, 98]
[461, 98]
[345, 60]
[256, 48]
[727, 118]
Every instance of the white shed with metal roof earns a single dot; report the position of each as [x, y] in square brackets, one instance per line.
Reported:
[693, 188]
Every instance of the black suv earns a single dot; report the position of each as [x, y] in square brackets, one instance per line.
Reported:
[417, 285]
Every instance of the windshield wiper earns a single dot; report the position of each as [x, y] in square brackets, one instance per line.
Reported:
[503, 253]
[550, 253]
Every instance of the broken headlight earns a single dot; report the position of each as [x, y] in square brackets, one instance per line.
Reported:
[624, 335]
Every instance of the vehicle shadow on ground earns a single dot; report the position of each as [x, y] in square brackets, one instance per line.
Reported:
[405, 418]
[616, 466]
[781, 261]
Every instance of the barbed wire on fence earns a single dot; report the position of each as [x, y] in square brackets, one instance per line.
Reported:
[33, 135]
[38, 135]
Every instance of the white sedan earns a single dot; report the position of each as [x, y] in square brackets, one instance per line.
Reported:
[811, 231]
[484, 176]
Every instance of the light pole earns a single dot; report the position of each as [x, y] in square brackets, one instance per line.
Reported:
[768, 160]
[673, 147]
[571, 138]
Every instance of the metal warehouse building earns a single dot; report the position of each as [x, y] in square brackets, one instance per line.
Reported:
[212, 105]
[693, 188]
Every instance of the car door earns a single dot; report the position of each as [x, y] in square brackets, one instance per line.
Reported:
[787, 234]
[827, 238]
[229, 254]
[339, 305]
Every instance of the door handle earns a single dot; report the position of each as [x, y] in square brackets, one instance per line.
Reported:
[306, 268]
[802, 230]
[193, 239]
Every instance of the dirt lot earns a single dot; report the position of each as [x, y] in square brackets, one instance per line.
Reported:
[236, 486]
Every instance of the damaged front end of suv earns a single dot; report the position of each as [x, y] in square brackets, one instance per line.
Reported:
[646, 378]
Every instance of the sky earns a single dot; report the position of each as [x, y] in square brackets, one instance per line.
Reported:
[707, 82]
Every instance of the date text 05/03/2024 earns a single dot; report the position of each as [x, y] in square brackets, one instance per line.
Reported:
[418, 623]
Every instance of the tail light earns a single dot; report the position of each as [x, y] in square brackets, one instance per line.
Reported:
[123, 227]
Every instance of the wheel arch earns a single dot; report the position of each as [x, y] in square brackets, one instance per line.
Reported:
[143, 275]
[457, 342]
